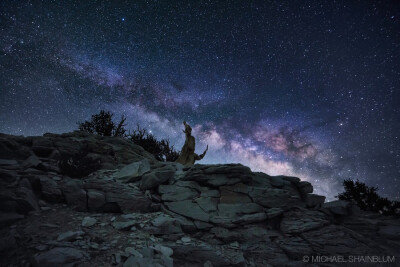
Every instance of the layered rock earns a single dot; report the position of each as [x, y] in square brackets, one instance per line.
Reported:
[136, 211]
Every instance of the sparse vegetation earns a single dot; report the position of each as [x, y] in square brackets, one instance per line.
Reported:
[78, 165]
[102, 124]
[367, 198]
[160, 149]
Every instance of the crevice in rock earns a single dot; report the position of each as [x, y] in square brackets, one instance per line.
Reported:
[261, 243]
[248, 194]
[194, 201]
[183, 186]
[111, 207]
[87, 199]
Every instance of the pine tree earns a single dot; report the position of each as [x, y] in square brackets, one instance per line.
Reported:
[368, 199]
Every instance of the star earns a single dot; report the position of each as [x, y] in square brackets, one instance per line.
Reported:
[265, 84]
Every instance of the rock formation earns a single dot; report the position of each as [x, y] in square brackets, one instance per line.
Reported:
[136, 211]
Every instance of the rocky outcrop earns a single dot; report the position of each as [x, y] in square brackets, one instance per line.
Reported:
[136, 211]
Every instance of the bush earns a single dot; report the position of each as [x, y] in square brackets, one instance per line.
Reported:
[367, 198]
[160, 149]
[78, 165]
[102, 124]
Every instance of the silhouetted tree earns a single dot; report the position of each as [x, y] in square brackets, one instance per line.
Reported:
[367, 198]
[102, 124]
[120, 130]
[160, 149]
[169, 152]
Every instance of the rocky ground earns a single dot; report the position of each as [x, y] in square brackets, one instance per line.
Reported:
[136, 211]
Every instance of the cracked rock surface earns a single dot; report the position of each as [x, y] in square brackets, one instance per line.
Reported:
[136, 211]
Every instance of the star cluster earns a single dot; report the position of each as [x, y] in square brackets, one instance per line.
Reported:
[304, 88]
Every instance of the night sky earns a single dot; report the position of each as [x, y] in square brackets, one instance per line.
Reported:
[303, 88]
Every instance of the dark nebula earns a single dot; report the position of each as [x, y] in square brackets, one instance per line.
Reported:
[304, 88]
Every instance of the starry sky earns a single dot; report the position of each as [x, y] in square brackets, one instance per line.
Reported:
[302, 88]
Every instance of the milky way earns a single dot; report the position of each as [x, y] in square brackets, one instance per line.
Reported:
[303, 88]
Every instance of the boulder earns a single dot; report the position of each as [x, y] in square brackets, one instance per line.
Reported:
[157, 255]
[126, 151]
[302, 220]
[226, 235]
[218, 175]
[202, 225]
[270, 197]
[193, 185]
[314, 200]
[277, 181]
[156, 178]
[211, 179]
[165, 251]
[70, 236]
[267, 253]
[225, 168]
[296, 248]
[96, 199]
[210, 193]
[338, 240]
[135, 261]
[59, 256]
[133, 172]
[294, 180]
[305, 187]
[188, 209]
[176, 193]
[128, 199]
[33, 162]
[257, 232]
[250, 218]
[233, 211]
[166, 225]
[25, 197]
[124, 225]
[274, 212]
[260, 179]
[42, 151]
[237, 188]
[132, 251]
[50, 190]
[75, 195]
[44, 142]
[338, 207]
[10, 149]
[88, 221]
[208, 204]
[231, 197]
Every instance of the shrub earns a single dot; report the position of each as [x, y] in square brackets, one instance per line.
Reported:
[78, 165]
[102, 124]
[367, 198]
[160, 149]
